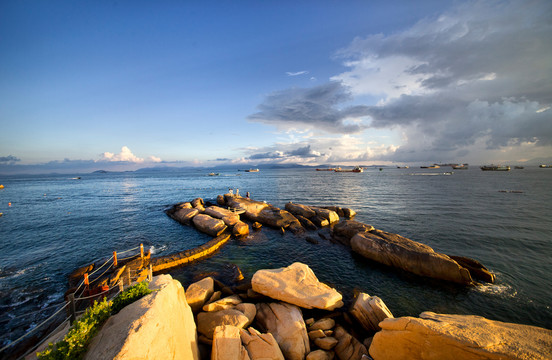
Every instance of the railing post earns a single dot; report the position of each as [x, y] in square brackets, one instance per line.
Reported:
[128, 276]
[142, 251]
[86, 282]
[114, 258]
[150, 273]
[121, 286]
[71, 298]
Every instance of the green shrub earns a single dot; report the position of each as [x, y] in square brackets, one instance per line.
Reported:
[75, 343]
[129, 296]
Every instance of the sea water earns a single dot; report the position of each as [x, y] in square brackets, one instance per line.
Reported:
[57, 223]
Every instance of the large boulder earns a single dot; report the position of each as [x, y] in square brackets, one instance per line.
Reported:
[140, 329]
[346, 230]
[185, 215]
[199, 292]
[252, 208]
[296, 284]
[260, 346]
[370, 311]
[285, 322]
[327, 214]
[240, 230]
[439, 336]
[222, 304]
[230, 218]
[208, 321]
[227, 344]
[298, 209]
[278, 218]
[209, 225]
[400, 252]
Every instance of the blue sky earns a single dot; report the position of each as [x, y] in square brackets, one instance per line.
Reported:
[123, 85]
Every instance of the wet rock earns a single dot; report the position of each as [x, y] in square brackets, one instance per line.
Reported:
[312, 240]
[307, 224]
[476, 269]
[185, 216]
[296, 284]
[209, 225]
[440, 336]
[400, 252]
[240, 230]
[346, 230]
[319, 221]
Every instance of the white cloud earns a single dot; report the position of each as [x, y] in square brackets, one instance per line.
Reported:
[126, 155]
[296, 73]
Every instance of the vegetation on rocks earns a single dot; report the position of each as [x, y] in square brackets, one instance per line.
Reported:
[129, 296]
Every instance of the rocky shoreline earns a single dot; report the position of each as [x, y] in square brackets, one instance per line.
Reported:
[287, 313]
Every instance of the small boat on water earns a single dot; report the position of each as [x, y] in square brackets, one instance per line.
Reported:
[545, 166]
[460, 166]
[434, 166]
[214, 174]
[402, 167]
[495, 168]
[325, 169]
[76, 178]
[252, 170]
[357, 169]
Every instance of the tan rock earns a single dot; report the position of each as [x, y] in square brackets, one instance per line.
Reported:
[185, 205]
[370, 311]
[260, 346]
[227, 344]
[320, 355]
[215, 297]
[348, 348]
[209, 225]
[198, 203]
[323, 324]
[296, 284]
[315, 334]
[208, 321]
[346, 230]
[298, 209]
[252, 208]
[327, 214]
[240, 230]
[249, 310]
[440, 336]
[140, 329]
[399, 252]
[285, 323]
[326, 343]
[221, 201]
[319, 221]
[349, 213]
[224, 303]
[185, 215]
[199, 292]
[219, 212]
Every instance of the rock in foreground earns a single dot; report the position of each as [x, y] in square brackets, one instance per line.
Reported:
[439, 336]
[296, 284]
[141, 330]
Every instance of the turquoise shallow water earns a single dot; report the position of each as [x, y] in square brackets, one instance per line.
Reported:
[56, 224]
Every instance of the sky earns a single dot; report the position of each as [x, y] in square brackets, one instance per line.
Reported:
[121, 85]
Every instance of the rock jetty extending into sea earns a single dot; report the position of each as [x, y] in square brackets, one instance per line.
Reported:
[287, 313]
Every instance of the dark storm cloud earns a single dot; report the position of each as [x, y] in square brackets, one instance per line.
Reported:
[280, 153]
[315, 107]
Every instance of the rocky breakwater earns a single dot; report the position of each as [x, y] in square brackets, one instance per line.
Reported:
[402, 253]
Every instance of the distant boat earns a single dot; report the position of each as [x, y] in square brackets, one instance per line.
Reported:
[252, 170]
[357, 169]
[76, 178]
[495, 168]
[460, 166]
[545, 166]
[214, 174]
[402, 167]
[326, 169]
[434, 166]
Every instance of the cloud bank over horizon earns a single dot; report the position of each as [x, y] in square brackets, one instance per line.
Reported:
[472, 83]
